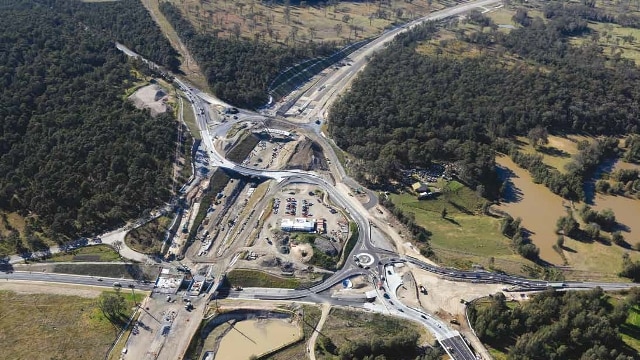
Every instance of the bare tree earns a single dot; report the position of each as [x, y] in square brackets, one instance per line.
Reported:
[240, 6]
[338, 29]
[117, 246]
[287, 11]
[312, 32]
[293, 34]
[236, 30]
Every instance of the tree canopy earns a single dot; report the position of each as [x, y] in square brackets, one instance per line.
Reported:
[238, 70]
[553, 325]
[74, 154]
[410, 107]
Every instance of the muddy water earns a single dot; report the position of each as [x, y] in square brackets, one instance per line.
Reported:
[538, 207]
[627, 210]
[255, 337]
[627, 214]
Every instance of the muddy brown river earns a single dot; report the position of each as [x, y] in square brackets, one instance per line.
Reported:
[538, 207]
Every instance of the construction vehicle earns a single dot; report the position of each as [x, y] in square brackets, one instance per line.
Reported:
[423, 290]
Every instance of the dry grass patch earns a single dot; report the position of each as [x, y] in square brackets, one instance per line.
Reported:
[149, 237]
[46, 326]
[344, 21]
[597, 258]
[447, 47]
[558, 152]
[188, 66]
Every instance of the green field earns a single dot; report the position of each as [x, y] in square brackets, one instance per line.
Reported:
[630, 330]
[45, 326]
[96, 253]
[189, 118]
[557, 153]
[466, 236]
[463, 229]
[254, 278]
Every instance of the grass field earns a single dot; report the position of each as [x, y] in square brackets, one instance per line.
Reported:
[613, 38]
[463, 229]
[12, 229]
[345, 326]
[596, 259]
[45, 326]
[630, 330]
[557, 153]
[102, 253]
[268, 22]
[466, 236]
[254, 278]
[126, 271]
[149, 237]
[190, 118]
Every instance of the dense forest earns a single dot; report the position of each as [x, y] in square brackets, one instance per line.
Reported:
[568, 325]
[124, 21]
[238, 70]
[75, 157]
[409, 108]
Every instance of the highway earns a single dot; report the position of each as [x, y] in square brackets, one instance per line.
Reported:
[335, 83]
[350, 268]
[75, 279]
[382, 260]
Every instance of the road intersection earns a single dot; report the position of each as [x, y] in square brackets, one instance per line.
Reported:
[380, 263]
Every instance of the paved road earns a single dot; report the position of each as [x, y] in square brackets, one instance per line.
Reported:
[335, 84]
[74, 279]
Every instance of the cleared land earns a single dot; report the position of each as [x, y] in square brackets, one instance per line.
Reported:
[557, 153]
[344, 21]
[345, 327]
[13, 237]
[46, 326]
[188, 66]
[465, 233]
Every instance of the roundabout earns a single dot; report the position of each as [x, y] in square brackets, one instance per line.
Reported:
[364, 259]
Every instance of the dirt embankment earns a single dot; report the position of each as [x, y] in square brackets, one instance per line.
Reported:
[307, 155]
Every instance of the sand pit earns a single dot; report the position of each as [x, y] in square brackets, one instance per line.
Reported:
[151, 97]
[302, 252]
[443, 296]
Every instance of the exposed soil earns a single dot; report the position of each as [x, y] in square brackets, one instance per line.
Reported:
[31, 287]
[151, 97]
[307, 155]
